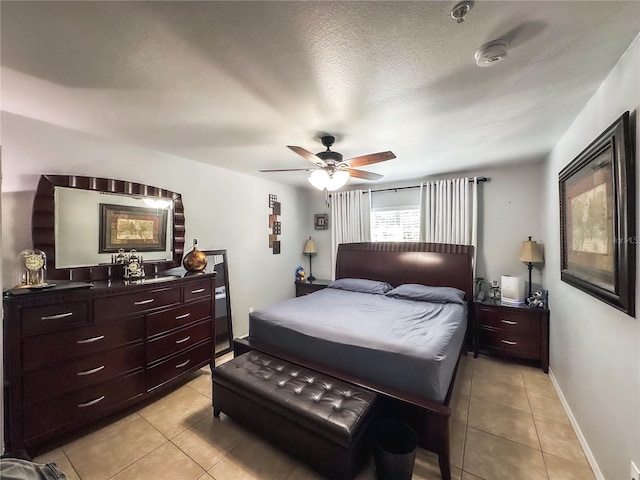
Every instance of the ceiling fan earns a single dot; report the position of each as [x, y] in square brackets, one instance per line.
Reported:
[331, 171]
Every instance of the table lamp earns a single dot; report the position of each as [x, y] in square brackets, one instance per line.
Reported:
[310, 249]
[530, 253]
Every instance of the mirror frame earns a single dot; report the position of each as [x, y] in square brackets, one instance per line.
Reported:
[43, 223]
[223, 253]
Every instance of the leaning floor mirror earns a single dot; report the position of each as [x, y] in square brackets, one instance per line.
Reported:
[217, 261]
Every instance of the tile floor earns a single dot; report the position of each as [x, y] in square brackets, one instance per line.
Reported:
[507, 423]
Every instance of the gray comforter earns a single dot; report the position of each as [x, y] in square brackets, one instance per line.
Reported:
[407, 345]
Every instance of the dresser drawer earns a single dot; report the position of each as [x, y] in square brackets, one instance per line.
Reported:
[55, 316]
[163, 322]
[43, 350]
[178, 340]
[52, 381]
[510, 321]
[173, 367]
[194, 291]
[513, 343]
[50, 415]
[135, 302]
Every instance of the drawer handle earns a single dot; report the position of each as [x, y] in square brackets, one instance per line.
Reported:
[57, 317]
[91, 372]
[199, 290]
[92, 402]
[90, 340]
[183, 364]
[144, 302]
[184, 315]
[509, 322]
[184, 339]
[508, 342]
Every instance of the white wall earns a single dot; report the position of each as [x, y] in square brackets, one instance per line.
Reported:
[594, 348]
[223, 209]
[509, 211]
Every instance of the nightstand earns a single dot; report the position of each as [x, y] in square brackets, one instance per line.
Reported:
[305, 288]
[512, 331]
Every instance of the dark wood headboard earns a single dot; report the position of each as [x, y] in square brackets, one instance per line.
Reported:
[437, 264]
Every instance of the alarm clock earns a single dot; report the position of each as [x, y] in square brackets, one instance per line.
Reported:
[33, 264]
[133, 267]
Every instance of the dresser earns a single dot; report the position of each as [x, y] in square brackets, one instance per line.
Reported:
[512, 331]
[73, 355]
[305, 288]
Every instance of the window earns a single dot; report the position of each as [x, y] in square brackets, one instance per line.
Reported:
[395, 224]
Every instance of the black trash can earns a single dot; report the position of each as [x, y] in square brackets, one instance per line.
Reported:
[394, 449]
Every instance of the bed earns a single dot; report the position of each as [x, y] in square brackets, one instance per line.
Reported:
[385, 334]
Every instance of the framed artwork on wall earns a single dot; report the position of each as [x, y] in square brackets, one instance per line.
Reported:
[139, 228]
[597, 218]
[321, 221]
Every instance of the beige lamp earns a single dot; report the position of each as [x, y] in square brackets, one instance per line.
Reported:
[310, 249]
[530, 253]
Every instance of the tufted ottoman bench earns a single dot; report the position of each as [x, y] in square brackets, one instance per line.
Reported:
[317, 418]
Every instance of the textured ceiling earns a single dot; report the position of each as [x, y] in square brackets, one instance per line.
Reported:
[233, 83]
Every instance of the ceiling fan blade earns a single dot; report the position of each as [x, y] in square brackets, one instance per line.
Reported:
[369, 159]
[289, 170]
[308, 155]
[364, 175]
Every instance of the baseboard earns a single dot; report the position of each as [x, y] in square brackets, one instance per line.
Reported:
[576, 428]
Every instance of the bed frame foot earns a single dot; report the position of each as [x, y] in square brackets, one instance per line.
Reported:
[445, 468]
[216, 412]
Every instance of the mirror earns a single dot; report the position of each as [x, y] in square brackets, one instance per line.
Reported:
[68, 251]
[217, 261]
[83, 220]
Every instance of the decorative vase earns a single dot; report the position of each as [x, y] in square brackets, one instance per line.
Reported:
[195, 260]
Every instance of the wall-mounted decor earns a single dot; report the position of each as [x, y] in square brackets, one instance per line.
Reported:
[274, 224]
[321, 221]
[597, 218]
[139, 228]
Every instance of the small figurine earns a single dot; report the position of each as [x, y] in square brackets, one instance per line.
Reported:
[538, 299]
[300, 275]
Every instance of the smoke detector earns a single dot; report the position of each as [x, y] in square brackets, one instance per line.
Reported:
[460, 11]
[491, 53]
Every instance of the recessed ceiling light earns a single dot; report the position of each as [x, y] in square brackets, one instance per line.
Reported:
[491, 53]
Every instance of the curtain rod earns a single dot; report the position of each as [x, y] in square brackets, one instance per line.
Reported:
[480, 180]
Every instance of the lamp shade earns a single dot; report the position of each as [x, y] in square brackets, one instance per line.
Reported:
[310, 247]
[530, 252]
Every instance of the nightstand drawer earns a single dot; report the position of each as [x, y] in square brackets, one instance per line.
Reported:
[305, 288]
[515, 344]
[512, 331]
[510, 321]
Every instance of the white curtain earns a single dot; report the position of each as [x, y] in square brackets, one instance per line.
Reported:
[350, 220]
[449, 211]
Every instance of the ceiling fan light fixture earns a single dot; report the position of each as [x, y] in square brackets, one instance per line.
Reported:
[337, 180]
[319, 179]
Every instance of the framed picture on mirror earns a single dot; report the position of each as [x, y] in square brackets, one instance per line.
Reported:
[139, 228]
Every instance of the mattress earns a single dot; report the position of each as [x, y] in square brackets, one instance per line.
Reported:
[406, 345]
